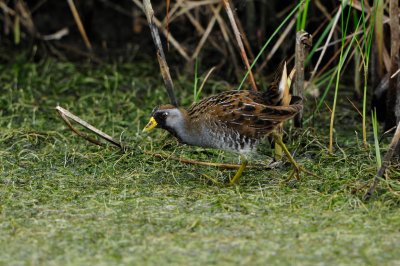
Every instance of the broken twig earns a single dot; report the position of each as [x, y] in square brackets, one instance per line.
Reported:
[65, 114]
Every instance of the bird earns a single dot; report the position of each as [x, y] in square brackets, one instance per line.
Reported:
[236, 121]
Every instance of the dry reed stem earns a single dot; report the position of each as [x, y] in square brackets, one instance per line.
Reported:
[225, 34]
[242, 33]
[167, 23]
[149, 12]
[172, 40]
[313, 73]
[378, 5]
[77, 51]
[278, 43]
[350, 36]
[282, 37]
[355, 107]
[79, 24]
[201, 31]
[7, 9]
[206, 33]
[321, 7]
[240, 43]
[183, 8]
[386, 59]
[171, 13]
[195, 4]
[57, 35]
[195, 22]
[327, 64]
[303, 41]
[169, 85]
[393, 95]
[329, 108]
[397, 72]
[148, 9]
[205, 79]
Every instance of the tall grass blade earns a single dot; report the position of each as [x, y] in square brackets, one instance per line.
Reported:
[304, 16]
[16, 30]
[344, 31]
[269, 40]
[321, 38]
[202, 84]
[376, 140]
[346, 53]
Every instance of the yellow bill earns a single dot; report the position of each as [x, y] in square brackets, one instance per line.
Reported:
[152, 124]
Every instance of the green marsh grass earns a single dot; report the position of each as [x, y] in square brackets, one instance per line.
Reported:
[341, 61]
[376, 140]
[366, 55]
[66, 201]
[302, 16]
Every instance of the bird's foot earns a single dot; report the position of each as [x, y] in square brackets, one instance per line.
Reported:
[235, 179]
[296, 170]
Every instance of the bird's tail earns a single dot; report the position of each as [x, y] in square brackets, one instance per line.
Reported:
[278, 91]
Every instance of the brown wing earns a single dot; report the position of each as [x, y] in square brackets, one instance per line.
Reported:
[242, 111]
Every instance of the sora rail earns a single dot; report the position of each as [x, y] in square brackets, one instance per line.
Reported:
[235, 121]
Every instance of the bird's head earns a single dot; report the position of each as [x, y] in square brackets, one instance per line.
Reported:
[165, 116]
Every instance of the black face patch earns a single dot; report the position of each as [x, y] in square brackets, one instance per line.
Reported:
[160, 117]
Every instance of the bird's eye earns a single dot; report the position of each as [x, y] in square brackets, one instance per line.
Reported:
[164, 115]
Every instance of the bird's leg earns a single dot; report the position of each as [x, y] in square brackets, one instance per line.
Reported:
[296, 167]
[240, 171]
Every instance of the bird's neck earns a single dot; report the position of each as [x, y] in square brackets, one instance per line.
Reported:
[181, 128]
